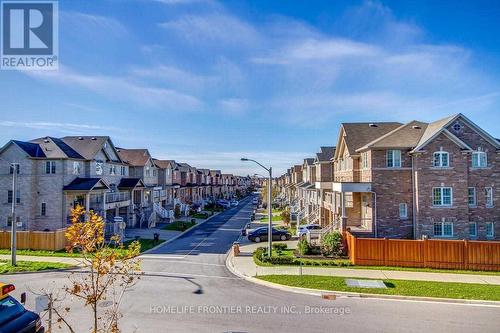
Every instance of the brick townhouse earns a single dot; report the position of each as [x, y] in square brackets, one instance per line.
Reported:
[55, 175]
[414, 180]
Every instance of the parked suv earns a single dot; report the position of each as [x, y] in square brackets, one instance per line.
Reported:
[303, 230]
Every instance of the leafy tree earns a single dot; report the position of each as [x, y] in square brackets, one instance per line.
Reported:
[285, 216]
[177, 211]
[111, 269]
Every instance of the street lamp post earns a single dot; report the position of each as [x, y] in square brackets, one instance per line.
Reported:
[269, 204]
[13, 240]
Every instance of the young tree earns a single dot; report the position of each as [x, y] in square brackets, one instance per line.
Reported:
[177, 211]
[112, 269]
[285, 216]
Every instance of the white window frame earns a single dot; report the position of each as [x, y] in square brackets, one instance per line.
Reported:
[440, 155]
[76, 168]
[51, 167]
[442, 225]
[492, 234]
[17, 167]
[474, 196]
[364, 160]
[43, 209]
[123, 170]
[441, 190]
[475, 229]
[403, 210]
[393, 156]
[112, 169]
[477, 157]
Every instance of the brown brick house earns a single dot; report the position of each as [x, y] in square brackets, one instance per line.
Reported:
[414, 180]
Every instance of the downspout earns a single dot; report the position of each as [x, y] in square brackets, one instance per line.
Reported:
[375, 213]
[414, 202]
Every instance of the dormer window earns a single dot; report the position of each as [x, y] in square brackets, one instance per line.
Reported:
[441, 159]
[479, 159]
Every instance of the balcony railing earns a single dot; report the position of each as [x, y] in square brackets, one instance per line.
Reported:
[117, 196]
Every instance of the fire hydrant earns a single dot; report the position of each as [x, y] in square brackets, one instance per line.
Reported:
[236, 249]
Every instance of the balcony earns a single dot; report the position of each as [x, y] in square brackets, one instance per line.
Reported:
[117, 200]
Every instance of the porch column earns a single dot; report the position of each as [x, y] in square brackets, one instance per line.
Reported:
[104, 206]
[321, 206]
[87, 202]
[344, 217]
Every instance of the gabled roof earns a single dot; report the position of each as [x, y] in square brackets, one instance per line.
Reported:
[87, 146]
[325, 154]
[56, 148]
[308, 161]
[185, 167]
[130, 183]
[439, 126]
[86, 184]
[135, 157]
[404, 136]
[32, 149]
[356, 135]
[163, 164]
[215, 172]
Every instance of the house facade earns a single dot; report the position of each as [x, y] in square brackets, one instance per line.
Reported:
[414, 180]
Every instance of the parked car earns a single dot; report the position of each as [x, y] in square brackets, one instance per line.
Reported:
[224, 203]
[261, 234]
[234, 203]
[303, 230]
[255, 201]
[14, 317]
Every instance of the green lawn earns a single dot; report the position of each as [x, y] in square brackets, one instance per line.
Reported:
[276, 218]
[146, 244]
[200, 216]
[179, 225]
[30, 266]
[395, 287]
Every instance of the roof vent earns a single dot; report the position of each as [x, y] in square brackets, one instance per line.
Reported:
[80, 138]
[416, 127]
[372, 125]
[93, 138]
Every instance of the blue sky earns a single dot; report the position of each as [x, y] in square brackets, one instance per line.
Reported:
[207, 82]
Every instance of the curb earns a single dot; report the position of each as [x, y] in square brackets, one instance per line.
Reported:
[321, 292]
[179, 235]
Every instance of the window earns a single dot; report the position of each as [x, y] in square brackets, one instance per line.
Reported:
[490, 230]
[43, 209]
[154, 172]
[9, 220]
[489, 196]
[11, 168]
[442, 196]
[479, 159]
[473, 229]
[472, 196]
[364, 160]
[123, 171]
[457, 127]
[394, 158]
[9, 196]
[112, 169]
[441, 159]
[147, 171]
[76, 168]
[403, 210]
[443, 229]
[50, 167]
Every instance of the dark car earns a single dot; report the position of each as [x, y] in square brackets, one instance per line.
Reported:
[14, 318]
[261, 234]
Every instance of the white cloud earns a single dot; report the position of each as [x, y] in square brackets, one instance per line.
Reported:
[234, 106]
[59, 127]
[122, 88]
[83, 22]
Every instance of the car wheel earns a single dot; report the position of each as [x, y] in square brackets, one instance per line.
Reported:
[257, 239]
[283, 237]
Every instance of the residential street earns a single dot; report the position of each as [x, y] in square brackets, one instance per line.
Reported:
[188, 276]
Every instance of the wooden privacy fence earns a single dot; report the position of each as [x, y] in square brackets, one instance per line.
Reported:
[35, 240]
[432, 253]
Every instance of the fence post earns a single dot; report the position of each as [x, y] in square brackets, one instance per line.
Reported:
[466, 254]
[424, 249]
[384, 251]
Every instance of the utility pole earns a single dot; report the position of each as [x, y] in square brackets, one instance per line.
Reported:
[270, 211]
[13, 240]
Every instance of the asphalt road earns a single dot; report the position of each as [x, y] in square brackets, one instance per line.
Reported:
[187, 288]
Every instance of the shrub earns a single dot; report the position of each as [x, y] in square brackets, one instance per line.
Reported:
[303, 247]
[177, 211]
[332, 244]
[280, 246]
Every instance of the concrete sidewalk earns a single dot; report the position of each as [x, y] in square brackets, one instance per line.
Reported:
[245, 266]
[64, 260]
